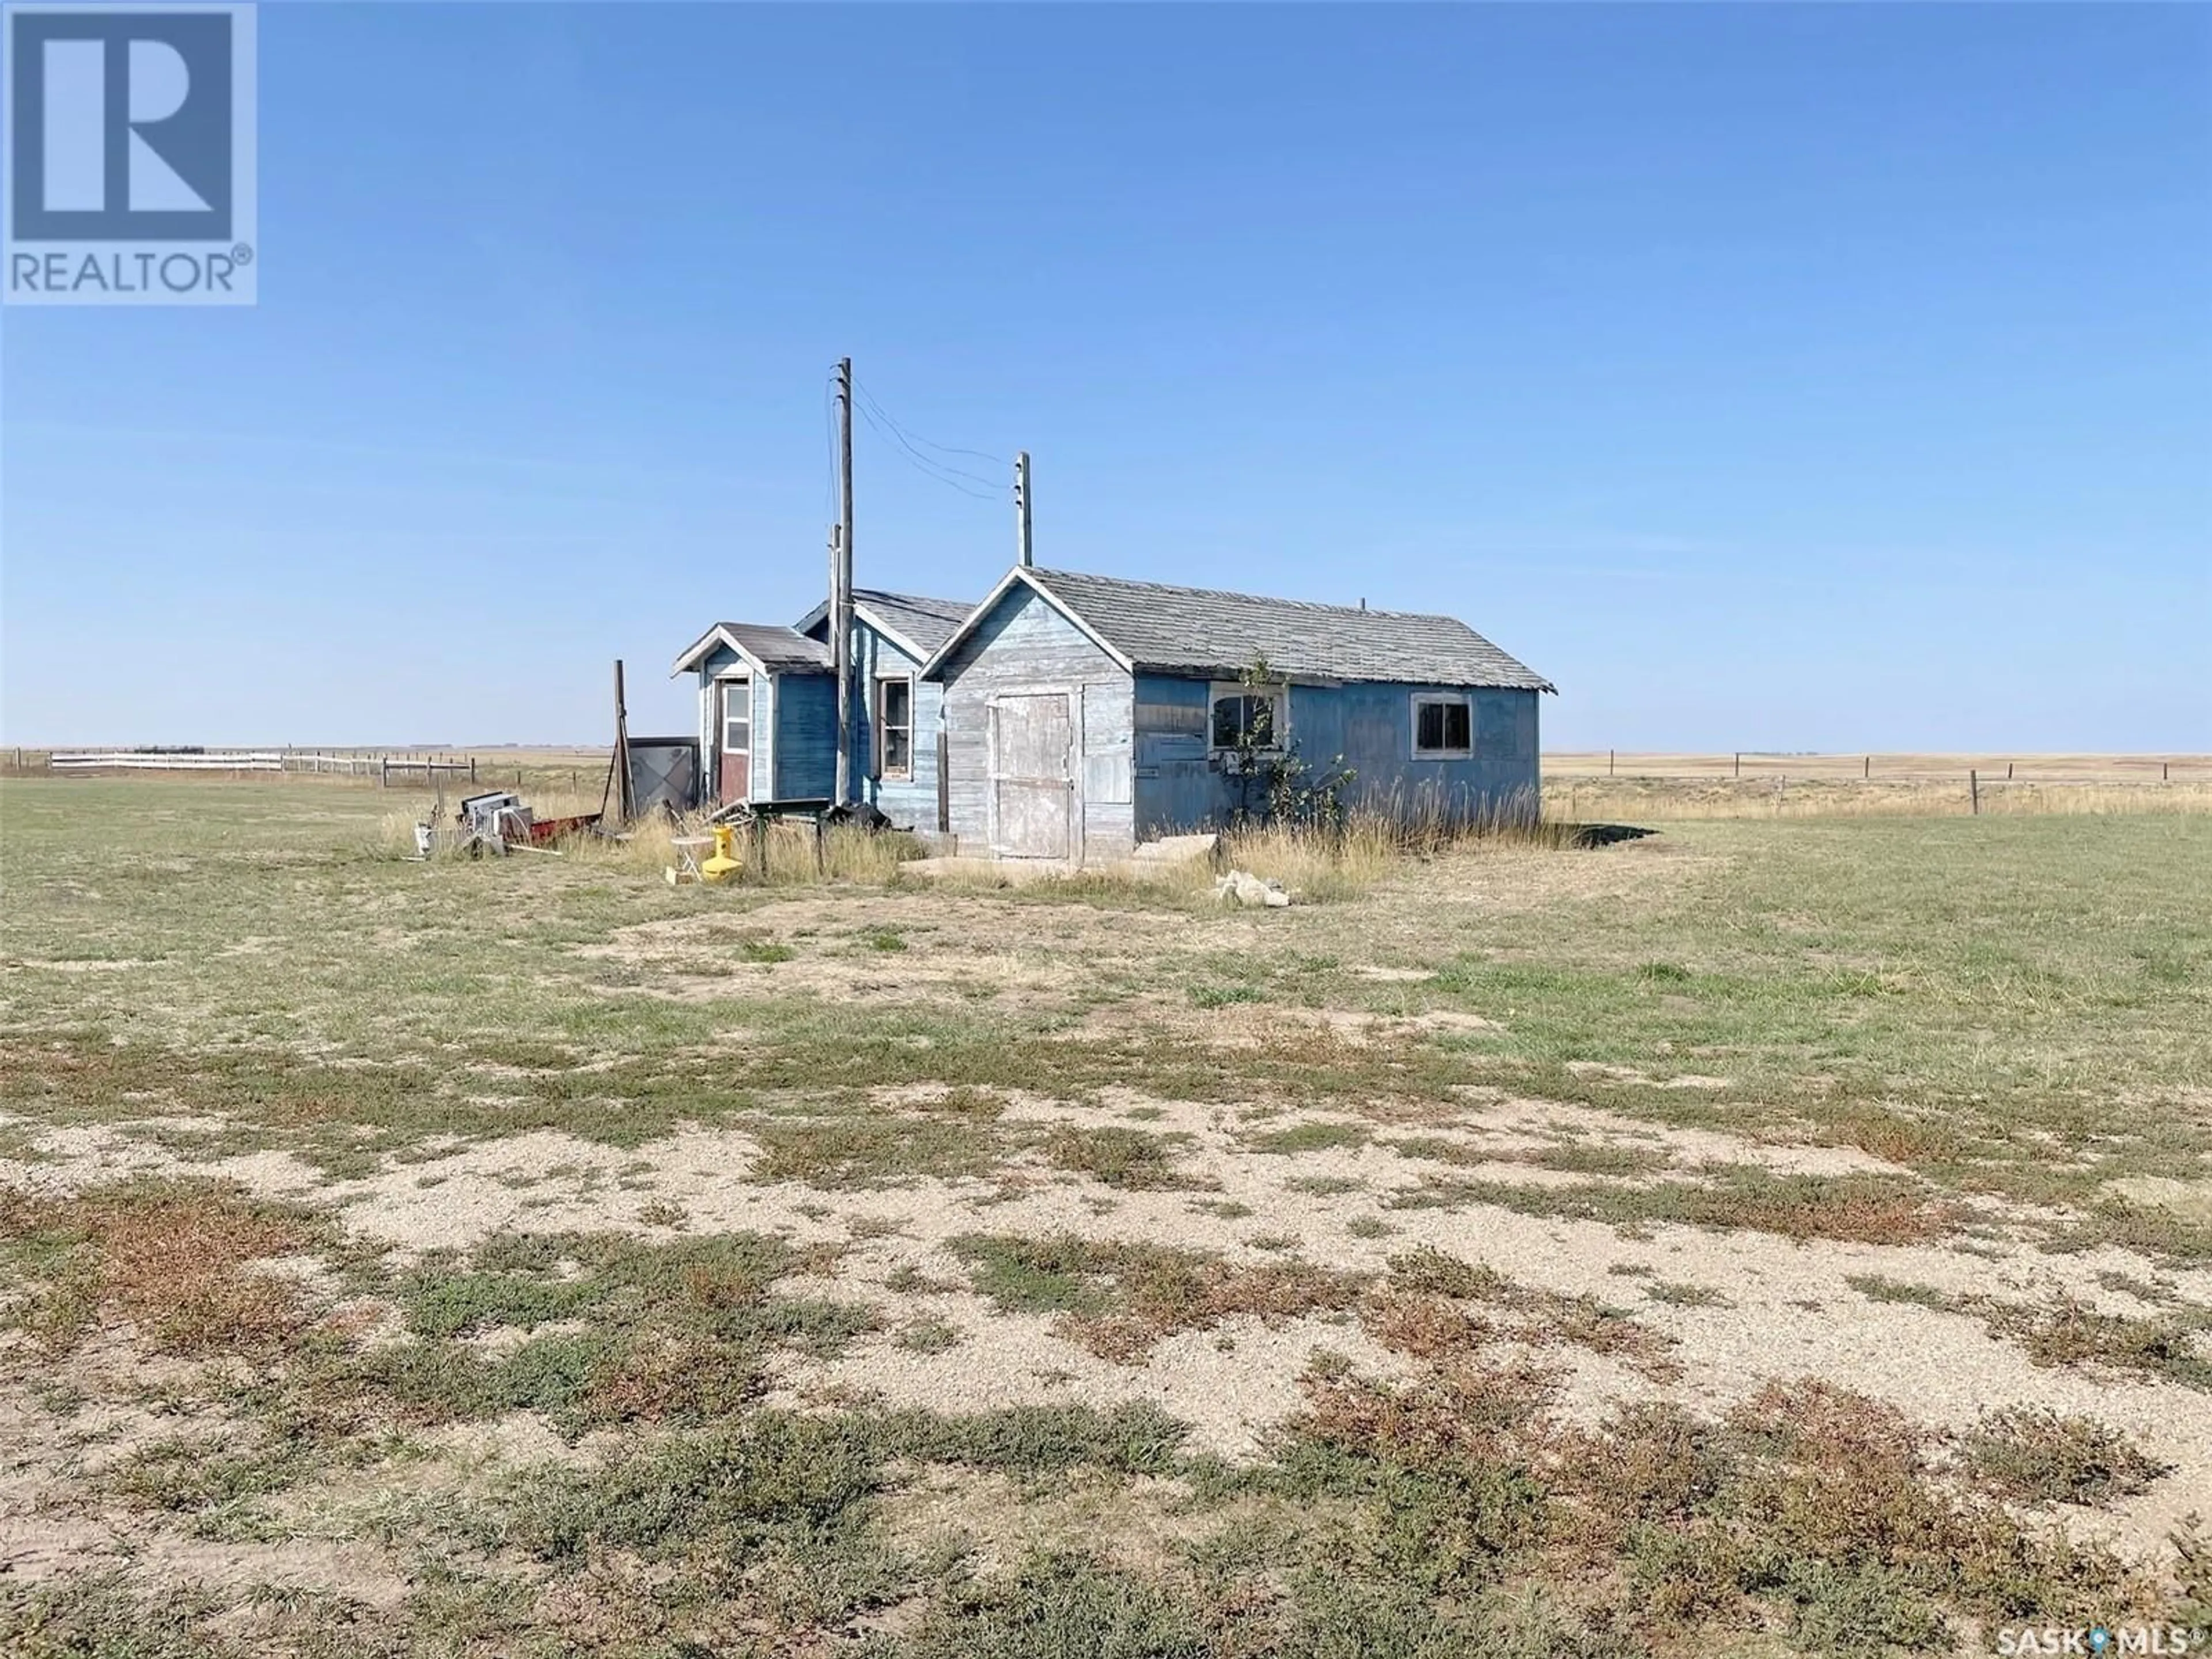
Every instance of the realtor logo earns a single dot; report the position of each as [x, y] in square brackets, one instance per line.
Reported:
[129, 164]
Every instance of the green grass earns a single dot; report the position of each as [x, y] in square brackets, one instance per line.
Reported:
[2017, 1009]
[2016, 1005]
[1129, 1158]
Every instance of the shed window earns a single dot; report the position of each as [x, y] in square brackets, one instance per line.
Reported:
[895, 728]
[1243, 714]
[1443, 727]
[737, 716]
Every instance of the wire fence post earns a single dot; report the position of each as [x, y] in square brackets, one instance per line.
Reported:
[1974, 792]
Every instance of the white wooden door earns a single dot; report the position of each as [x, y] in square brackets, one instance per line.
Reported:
[1032, 774]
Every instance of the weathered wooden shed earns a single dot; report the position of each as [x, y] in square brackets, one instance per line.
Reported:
[763, 731]
[896, 734]
[768, 706]
[1084, 713]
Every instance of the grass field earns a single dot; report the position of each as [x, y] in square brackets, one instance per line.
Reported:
[1783, 1236]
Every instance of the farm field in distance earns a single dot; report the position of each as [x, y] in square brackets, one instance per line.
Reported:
[1782, 1234]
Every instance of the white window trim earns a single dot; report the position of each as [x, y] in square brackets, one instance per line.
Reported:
[1279, 690]
[722, 684]
[905, 774]
[1446, 699]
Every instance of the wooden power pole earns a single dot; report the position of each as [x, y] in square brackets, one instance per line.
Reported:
[625, 807]
[841, 593]
[1022, 507]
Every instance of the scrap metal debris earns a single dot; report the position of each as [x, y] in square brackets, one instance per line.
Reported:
[498, 822]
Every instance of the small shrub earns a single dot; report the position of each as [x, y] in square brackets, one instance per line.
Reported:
[928, 1336]
[2068, 1332]
[1686, 1296]
[1119, 1297]
[1313, 1135]
[1122, 1158]
[1877, 1288]
[1222, 996]
[2041, 1457]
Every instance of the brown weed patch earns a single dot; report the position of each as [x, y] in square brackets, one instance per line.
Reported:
[173, 1259]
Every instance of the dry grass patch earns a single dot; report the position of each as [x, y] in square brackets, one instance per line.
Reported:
[1129, 1158]
[878, 1149]
[1119, 1297]
[1862, 1209]
[174, 1259]
[1418, 1313]
[2065, 1330]
[2041, 1457]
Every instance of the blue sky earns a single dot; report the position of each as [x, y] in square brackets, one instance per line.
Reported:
[1796, 378]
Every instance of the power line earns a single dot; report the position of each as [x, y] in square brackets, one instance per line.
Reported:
[882, 418]
[951, 477]
[943, 449]
[944, 472]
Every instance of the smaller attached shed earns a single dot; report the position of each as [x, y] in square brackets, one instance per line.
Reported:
[768, 713]
[896, 734]
[1084, 713]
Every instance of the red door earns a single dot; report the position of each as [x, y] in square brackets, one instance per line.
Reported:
[735, 769]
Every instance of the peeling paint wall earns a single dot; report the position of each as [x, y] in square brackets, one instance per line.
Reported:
[1022, 647]
[1183, 784]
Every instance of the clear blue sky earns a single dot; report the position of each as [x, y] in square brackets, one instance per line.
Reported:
[1769, 377]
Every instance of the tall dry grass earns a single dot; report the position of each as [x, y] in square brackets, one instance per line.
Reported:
[648, 847]
[1322, 861]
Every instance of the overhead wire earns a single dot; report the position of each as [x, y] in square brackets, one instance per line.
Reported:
[953, 477]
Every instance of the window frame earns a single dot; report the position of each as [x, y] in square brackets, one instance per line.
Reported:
[1277, 692]
[722, 714]
[883, 727]
[1421, 700]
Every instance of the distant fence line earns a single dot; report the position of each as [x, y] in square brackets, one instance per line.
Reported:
[260, 760]
[1766, 765]
[379, 767]
[516, 771]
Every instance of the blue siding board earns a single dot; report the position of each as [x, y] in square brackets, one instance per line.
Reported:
[1146, 767]
[1367, 727]
[909, 802]
[1025, 643]
[805, 737]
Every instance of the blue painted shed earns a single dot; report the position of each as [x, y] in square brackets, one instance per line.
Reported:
[1084, 714]
[896, 731]
[768, 713]
[767, 707]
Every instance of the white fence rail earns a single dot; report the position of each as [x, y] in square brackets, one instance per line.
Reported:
[260, 760]
[382, 767]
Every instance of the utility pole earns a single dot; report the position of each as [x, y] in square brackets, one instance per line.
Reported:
[1022, 507]
[841, 592]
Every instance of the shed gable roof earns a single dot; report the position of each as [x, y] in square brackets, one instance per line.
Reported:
[920, 625]
[774, 650]
[1203, 631]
